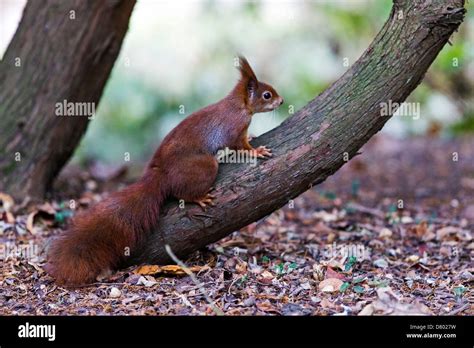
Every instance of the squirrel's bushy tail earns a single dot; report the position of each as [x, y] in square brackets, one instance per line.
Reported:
[102, 237]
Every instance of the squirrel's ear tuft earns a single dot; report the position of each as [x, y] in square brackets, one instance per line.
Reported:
[245, 69]
[248, 76]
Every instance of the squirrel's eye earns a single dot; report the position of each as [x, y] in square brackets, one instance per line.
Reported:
[267, 95]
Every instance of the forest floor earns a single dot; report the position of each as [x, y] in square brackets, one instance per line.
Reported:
[390, 233]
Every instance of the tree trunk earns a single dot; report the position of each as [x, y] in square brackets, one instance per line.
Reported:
[313, 144]
[62, 51]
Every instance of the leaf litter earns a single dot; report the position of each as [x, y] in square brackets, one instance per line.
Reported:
[389, 234]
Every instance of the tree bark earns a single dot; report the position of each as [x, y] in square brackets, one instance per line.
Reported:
[312, 144]
[63, 50]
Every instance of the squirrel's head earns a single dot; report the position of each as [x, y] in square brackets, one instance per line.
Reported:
[258, 96]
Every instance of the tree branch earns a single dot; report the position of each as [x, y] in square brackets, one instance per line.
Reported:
[310, 146]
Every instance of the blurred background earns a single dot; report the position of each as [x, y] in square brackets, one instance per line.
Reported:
[178, 56]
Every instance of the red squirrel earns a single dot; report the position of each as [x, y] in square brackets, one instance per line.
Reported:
[184, 166]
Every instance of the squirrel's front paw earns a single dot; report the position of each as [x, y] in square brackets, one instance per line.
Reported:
[262, 152]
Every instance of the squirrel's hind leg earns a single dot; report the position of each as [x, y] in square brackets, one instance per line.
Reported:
[193, 178]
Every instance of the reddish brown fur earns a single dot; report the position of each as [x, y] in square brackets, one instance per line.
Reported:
[184, 166]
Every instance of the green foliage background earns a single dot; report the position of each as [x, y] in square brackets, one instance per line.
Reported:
[181, 53]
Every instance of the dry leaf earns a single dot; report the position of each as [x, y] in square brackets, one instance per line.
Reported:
[168, 270]
[428, 236]
[444, 232]
[385, 233]
[9, 217]
[381, 263]
[147, 281]
[412, 258]
[330, 285]
[130, 299]
[331, 237]
[330, 273]
[318, 272]
[147, 269]
[325, 216]
[30, 221]
[175, 270]
[266, 277]
[7, 201]
[333, 263]
[389, 303]
[115, 293]
[421, 229]
[266, 306]
[46, 208]
[241, 267]
[44, 211]
[325, 303]
[367, 310]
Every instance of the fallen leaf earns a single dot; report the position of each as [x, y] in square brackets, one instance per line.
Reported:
[325, 216]
[389, 304]
[318, 272]
[30, 222]
[266, 306]
[115, 293]
[381, 263]
[130, 299]
[46, 208]
[385, 233]
[330, 273]
[330, 285]
[367, 310]
[147, 269]
[7, 201]
[421, 229]
[331, 237]
[325, 303]
[428, 236]
[9, 217]
[412, 258]
[266, 277]
[46, 212]
[241, 267]
[147, 281]
[333, 263]
[444, 232]
[168, 270]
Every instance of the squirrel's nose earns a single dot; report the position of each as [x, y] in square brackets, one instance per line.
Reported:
[281, 101]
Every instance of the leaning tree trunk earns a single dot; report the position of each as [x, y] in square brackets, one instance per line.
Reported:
[316, 141]
[63, 51]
